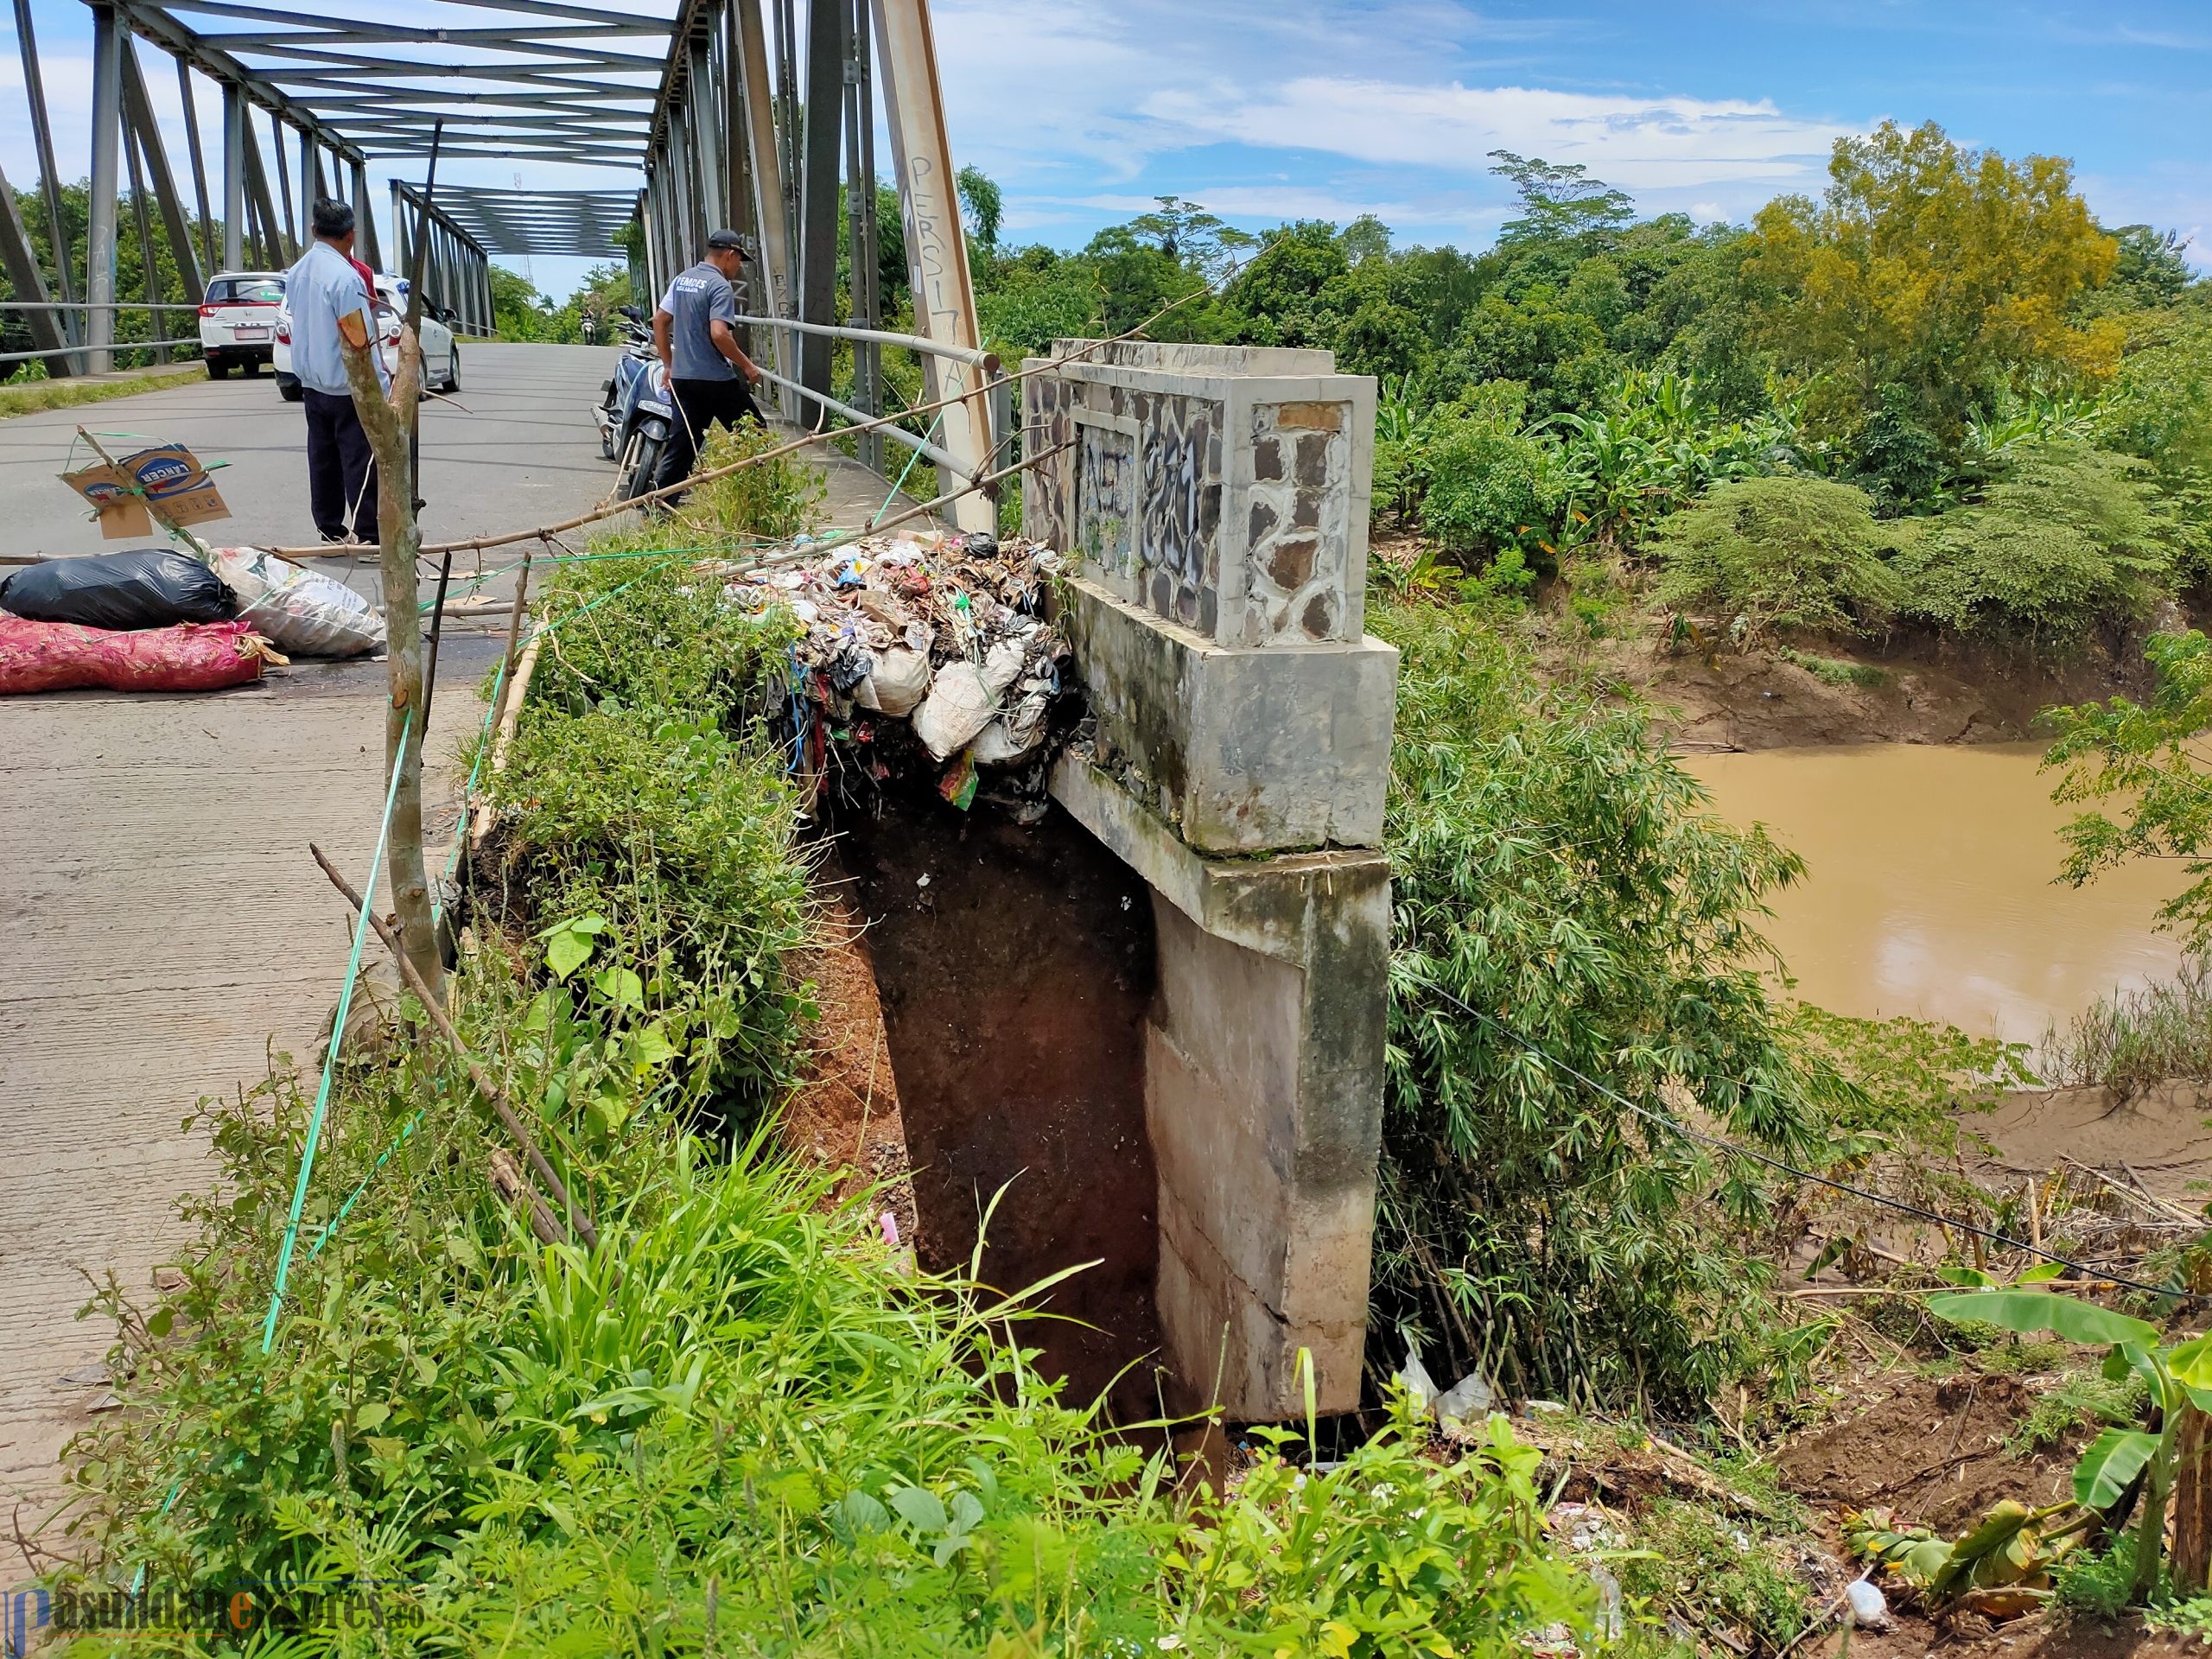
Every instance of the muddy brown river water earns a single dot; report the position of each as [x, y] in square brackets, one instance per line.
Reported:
[1930, 890]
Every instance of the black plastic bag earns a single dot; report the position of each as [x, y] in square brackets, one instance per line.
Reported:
[146, 588]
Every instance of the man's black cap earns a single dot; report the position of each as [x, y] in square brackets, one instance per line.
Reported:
[725, 242]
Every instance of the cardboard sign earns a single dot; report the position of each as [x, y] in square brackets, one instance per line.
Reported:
[168, 476]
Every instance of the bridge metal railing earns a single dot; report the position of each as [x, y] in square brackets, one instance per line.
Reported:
[996, 390]
[74, 353]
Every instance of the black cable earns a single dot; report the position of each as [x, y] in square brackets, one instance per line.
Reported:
[1899, 1204]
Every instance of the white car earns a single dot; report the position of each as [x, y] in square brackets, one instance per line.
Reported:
[440, 356]
[237, 320]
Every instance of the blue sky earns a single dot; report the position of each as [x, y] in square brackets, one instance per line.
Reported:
[1327, 108]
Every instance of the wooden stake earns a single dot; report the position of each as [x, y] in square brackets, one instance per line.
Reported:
[510, 717]
[388, 421]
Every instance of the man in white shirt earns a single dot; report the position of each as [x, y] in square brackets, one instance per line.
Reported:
[327, 284]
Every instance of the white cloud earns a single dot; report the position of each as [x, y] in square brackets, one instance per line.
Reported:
[1273, 202]
[1635, 143]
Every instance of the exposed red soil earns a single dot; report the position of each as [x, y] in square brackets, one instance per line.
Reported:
[1932, 1449]
[845, 1112]
[1931, 690]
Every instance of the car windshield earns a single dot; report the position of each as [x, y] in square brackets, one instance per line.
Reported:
[245, 290]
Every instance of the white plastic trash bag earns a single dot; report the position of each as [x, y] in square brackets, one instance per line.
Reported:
[302, 612]
[1013, 735]
[1415, 1377]
[896, 684]
[1465, 1401]
[956, 711]
[1002, 666]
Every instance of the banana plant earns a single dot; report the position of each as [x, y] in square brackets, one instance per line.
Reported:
[2179, 1376]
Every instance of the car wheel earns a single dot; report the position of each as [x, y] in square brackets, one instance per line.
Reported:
[218, 370]
[253, 368]
[453, 371]
[290, 391]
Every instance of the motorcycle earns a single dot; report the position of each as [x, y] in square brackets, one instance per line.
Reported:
[636, 411]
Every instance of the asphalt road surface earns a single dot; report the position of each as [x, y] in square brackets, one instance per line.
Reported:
[515, 448]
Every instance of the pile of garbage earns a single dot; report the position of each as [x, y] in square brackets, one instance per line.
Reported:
[159, 619]
[926, 650]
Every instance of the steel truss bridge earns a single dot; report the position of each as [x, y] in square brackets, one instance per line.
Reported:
[677, 115]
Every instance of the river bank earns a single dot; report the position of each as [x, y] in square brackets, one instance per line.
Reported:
[1911, 689]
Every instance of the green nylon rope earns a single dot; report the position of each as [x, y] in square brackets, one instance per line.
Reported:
[330, 1051]
[912, 456]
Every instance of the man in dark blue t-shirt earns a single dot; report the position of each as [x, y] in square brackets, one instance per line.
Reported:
[695, 330]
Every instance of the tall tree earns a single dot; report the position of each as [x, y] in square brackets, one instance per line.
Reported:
[1950, 272]
[1560, 202]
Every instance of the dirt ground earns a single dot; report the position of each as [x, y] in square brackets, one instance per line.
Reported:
[1919, 686]
[2161, 1140]
[1015, 966]
[845, 1113]
[1929, 691]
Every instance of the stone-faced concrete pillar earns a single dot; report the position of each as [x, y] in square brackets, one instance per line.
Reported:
[1216, 498]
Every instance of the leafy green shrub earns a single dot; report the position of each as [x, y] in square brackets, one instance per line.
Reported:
[1787, 552]
[771, 501]
[1389, 1552]
[2067, 539]
[1554, 870]
[1481, 483]
[649, 632]
[678, 841]
[2097, 1583]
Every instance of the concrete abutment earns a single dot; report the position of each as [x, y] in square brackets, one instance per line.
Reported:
[1214, 500]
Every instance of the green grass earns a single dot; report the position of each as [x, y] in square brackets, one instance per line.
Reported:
[1831, 671]
[33, 395]
[2081, 1400]
[2131, 1039]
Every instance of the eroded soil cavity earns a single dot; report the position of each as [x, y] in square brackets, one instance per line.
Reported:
[1015, 966]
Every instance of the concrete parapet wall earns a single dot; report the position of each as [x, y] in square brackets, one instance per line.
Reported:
[1224, 488]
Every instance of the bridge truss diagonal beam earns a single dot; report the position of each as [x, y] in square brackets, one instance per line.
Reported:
[529, 79]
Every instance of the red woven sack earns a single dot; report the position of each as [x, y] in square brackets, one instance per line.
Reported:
[190, 657]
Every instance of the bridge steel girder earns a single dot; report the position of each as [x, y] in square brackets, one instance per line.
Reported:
[20, 261]
[936, 247]
[99, 235]
[547, 79]
[49, 180]
[729, 116]
[456, 268]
